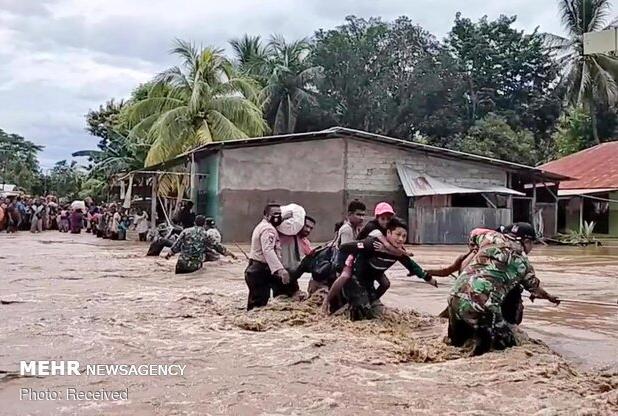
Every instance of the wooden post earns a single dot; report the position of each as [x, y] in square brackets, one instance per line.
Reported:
[534, 203]
[153, 201]
[193, 182]
[581, 214]
[556, 208]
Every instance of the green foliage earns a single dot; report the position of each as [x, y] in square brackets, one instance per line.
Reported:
[205, 100]
[507, 72]
[117, 153]
[582, 237]
[94, 188]
[285, 74]
[397, 79]
[590, 80]
[488, 88]
[493, 137]
[370, 75]
[18, 161]
[574, 132]
[65, 180]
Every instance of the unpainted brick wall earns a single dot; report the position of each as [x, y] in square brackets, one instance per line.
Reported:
[372, 167]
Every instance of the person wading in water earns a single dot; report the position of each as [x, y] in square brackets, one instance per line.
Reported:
[475, 303]
[265, 271]
[192, 243]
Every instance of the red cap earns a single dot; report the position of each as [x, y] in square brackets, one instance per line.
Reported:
[383, 208]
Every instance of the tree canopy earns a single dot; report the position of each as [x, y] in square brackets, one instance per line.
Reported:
[486, 88]
[19, 163]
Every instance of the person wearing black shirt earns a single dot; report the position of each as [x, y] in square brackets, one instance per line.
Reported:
[185, 217]
[370, 263]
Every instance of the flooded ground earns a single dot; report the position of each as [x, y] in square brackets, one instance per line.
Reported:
[68, 297]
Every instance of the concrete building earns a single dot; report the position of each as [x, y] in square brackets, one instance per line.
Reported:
[442, 193]
[593, 196]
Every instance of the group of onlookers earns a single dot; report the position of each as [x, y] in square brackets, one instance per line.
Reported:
[110, 222]
[35, 214]
[40, 214]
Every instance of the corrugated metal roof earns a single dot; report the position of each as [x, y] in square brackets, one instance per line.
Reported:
[572, 192]
[420, 184]
[595, 168]
[340, 132]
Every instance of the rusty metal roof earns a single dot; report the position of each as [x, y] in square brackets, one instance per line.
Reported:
[420, 184]
[595, 168]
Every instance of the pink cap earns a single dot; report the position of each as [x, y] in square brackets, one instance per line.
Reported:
[383, 208]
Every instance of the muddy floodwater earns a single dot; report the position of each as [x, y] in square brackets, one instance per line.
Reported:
[75, 297]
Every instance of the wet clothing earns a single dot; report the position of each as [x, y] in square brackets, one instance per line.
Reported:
[293, 250]
[37, 218]
[266, 246]
[114, 221]
[369, 266]
[264, 263]
[157, 246]
[479, 293]
[13, 218]
[214, 234]
[77, 222]
[64, 224]
[191, 244]
[346, 234]
[261, 282]
[368, 228]
[319, 263]
[512, 305]
[186, 218]
[3, 218]
[141, 224]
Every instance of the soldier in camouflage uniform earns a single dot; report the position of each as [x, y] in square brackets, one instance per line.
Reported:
[475, 303]
[192, 243]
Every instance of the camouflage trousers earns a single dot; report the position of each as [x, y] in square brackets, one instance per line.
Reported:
[484, 325]
[184, 265]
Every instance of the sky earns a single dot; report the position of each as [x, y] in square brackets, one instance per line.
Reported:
[61, 58]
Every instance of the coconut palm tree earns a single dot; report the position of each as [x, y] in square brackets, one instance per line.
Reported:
[289, 82]
[589, 79]
[283, 70]
[205, 100]
[251, 55]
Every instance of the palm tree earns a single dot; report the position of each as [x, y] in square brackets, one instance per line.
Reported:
[205, 100]
[251, 55]
[285, 74]
[290, 83]
[592, 79]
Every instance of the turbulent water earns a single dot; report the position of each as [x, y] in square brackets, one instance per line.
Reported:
[67, 297]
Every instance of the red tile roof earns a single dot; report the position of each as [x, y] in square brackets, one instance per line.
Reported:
[595, 168]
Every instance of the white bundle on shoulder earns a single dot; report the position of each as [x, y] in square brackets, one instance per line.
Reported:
[295, 223]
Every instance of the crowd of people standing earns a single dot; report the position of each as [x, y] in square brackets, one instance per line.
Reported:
[40, 214]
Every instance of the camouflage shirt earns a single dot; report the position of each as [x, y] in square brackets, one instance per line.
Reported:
[192, 243]
[498, 266]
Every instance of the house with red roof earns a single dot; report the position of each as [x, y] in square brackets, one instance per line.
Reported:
[593, 195]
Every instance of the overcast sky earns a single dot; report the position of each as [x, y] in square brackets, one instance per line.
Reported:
[60, 58]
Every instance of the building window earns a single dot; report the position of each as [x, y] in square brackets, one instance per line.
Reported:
[468, 201]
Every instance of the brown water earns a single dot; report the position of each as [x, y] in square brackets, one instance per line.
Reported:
[586, 334]
[79, 298]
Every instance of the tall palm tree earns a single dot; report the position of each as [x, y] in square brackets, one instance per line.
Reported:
[283, 70]
[205, 100]
[251, 55]
[590, 79]
[290, 82]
